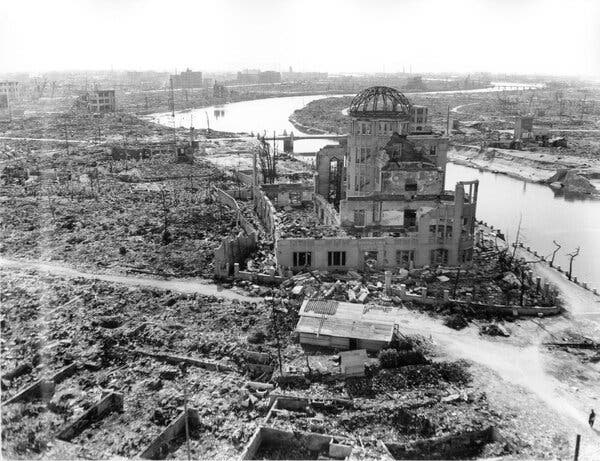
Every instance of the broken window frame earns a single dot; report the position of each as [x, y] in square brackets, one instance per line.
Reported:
[336, 258]
[404, 258]
[361, 215]
[302, 258]
[439, 257]
[413, 186]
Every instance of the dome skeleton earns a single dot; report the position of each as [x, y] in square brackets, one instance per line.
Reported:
[380, 101]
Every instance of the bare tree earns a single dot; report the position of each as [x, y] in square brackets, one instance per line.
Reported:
[558, 247]
[572, 257]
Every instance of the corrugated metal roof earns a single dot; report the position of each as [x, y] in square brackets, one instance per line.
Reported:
[345, 328]
[321, 307]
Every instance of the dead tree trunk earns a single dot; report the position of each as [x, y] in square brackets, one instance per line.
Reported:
[558, 247]
[572, 257]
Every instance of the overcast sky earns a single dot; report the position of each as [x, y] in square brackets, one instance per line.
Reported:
[520, 36]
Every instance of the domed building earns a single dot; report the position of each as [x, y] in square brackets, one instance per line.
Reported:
[385, 189]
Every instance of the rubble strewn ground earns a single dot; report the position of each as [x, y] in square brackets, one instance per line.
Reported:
[100, 325]
[78, 205]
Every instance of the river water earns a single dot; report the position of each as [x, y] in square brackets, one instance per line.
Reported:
[503, 201]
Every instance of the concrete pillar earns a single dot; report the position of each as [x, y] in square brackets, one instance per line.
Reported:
[575, 280]
[558, 269]
[595, 291]
[424, 293]
[538, 282]
[236, 269]
[584, 285]
[388, 281]
[402, 290]
[446, 295]
[546, 289]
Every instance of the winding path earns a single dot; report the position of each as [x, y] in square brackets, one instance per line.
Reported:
[193, 285]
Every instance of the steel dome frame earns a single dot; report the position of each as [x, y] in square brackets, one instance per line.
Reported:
[380, 101]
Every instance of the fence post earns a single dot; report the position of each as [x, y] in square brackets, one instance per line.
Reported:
[577, 443]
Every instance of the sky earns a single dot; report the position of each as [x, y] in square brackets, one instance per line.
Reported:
[502, 36]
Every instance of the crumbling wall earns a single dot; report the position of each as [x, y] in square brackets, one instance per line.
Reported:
[288, 193]
[326, 213]
[466, 445]
[424, 182]
[266, 212]
[223, 197]
[233, 249]
[245, 177]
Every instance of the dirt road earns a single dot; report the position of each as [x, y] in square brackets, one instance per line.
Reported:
[200, 286]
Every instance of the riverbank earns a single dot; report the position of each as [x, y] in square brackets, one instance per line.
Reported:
[540, 167]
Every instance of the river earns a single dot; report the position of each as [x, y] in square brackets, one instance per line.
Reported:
[503, 201]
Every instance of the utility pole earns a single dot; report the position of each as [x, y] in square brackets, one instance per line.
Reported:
[173, 116]
[577, 444]
[67, 137]
[517, 240]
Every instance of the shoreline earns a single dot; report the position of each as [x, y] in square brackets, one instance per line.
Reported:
[568, 176]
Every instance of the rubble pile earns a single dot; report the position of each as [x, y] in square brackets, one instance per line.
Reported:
[111, 332]
[302, 222]
[105, 219]
[402, 404]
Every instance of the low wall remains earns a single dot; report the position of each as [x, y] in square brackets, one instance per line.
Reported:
[233, 249]
[266, 212]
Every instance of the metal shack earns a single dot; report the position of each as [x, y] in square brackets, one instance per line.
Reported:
[343, 326]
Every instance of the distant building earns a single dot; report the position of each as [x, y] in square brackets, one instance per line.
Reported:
[11, 89]
[250, 76]
[303, 76]
[101, 101]
[269, 76]
[187, 79]
[523, 128]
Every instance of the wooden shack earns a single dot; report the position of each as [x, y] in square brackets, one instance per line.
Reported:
[342, 326]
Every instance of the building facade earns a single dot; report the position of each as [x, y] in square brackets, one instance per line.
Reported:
[188, 79]
[386, 189]
[11, 90]
[102, 101]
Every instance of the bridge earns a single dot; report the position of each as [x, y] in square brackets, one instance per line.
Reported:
[288, 139]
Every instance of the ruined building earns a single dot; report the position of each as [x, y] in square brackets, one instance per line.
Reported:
[187, 80]
[385, 192]
[98, 101]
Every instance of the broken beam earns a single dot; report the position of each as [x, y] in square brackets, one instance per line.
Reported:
[42, 389]
[111, 402]
[159, 447]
